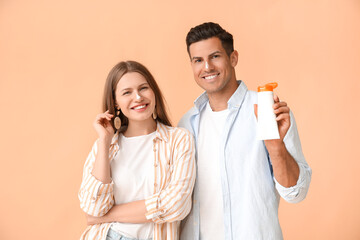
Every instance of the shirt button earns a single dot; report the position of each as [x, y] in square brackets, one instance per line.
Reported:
[155, 184]
[155, 165]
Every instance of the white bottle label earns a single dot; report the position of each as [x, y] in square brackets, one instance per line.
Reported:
[267, 125]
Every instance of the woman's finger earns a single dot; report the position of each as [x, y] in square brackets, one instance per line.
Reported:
[109, 115]
[102, 118]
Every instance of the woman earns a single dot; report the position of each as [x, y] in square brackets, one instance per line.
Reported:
[138, 178]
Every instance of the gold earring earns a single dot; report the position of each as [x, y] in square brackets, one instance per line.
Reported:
[117, 120]
[154, 115]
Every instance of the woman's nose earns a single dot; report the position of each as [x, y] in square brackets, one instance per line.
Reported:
[138, 97]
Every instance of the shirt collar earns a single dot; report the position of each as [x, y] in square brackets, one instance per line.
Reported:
[235, 100]
[162, 133]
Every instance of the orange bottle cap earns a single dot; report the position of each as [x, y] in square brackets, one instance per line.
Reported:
[267, 87]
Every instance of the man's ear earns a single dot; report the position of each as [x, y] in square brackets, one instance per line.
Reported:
[234, 56]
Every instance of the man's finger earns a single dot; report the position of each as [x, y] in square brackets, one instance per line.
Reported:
[279, 104]
[255, 110]
[282, 110]
[283, 116]
[276, 98]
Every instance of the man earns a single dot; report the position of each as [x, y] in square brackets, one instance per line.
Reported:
[239, 179]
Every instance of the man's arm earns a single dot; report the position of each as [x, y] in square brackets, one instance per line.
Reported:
[286, 170]
[292, 174]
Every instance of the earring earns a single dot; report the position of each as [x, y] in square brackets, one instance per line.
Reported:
[117, 120]
[154, 115]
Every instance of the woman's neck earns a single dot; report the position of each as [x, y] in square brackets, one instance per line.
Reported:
[139, 128]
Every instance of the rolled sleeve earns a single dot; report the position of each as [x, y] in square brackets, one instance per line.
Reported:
[96, 198]
[297, 193]
[173, 203]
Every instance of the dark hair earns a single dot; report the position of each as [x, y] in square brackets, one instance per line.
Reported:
[209, 30]
[115, 74]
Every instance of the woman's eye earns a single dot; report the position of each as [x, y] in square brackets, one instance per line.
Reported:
[143, 88]
[126, 93]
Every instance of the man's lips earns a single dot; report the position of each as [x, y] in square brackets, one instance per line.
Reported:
[210, 76]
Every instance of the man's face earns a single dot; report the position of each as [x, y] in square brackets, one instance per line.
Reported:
[213, 69]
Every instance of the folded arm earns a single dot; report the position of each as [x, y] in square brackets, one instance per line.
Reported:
[96, 196]
[171, 203]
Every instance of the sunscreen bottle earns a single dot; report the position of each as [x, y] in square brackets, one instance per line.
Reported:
[267, 124]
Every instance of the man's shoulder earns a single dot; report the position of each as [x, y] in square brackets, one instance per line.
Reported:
[185, 120]
[251, 96]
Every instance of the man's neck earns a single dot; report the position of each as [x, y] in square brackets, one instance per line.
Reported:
[219, 100]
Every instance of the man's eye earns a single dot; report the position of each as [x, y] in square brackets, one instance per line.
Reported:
[216, 56]
[197, 60]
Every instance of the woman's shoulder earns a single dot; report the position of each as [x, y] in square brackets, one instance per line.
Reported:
[176, 131]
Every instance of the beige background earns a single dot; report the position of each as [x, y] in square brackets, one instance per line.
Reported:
[55, 55]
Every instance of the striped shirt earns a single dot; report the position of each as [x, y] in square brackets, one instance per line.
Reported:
[174, 177]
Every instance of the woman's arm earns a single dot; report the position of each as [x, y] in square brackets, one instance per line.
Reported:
[173, 203]
[170, 204]
[101, 170]
[96, 191]
[132, 212]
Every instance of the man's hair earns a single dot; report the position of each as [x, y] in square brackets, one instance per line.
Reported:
[208, 30]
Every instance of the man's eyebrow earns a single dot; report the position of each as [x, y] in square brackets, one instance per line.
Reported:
[216, 52]
[195, 58]
[211, 54]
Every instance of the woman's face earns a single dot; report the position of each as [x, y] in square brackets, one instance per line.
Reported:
[134, 97]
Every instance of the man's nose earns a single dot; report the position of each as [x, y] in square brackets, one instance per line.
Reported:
[208, 66]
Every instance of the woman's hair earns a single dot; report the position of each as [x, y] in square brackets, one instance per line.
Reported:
[109, 99]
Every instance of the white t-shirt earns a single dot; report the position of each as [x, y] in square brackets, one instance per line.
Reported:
[208, 178]
[132, 172]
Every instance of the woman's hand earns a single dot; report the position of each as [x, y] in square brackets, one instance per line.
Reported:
[103, 126]
[91, 220]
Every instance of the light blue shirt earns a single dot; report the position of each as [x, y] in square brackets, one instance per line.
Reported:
[250, 191]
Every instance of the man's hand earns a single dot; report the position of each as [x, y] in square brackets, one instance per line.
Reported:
[282, 112]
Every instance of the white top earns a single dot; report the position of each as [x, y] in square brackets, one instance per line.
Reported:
[132, 172]
[208, 180]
